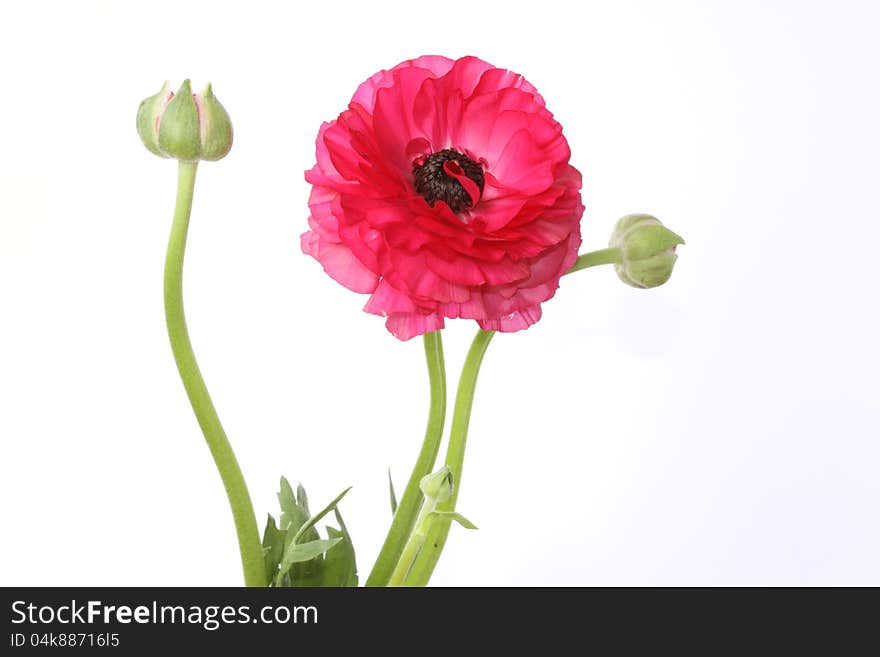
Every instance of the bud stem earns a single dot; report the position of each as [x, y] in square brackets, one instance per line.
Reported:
[405, 517]
[224, 458]
[432, 545]
[594, 258]
[413, 544]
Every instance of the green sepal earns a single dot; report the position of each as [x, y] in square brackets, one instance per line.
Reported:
[649, 240]
[438, 485]
[216, 128]
[179, 128]
[148, 115]
[647, 250]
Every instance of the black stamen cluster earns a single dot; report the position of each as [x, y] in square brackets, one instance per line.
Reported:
[434, 184]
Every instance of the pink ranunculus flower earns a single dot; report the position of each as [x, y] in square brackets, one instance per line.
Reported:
[444, 190]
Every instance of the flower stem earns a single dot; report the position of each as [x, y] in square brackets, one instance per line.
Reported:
[236, 488]
[432, 546]
[408, 508]
[593, 258]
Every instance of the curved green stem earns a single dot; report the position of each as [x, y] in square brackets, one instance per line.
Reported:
[424, 563]
[236, 488]
[407, 510]
[593, 258]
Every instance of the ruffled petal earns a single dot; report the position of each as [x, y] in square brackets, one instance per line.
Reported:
[386, 301]
[515, 321]
[365, 95]
[339, 262]
[405, 326]
[394, 121]
[497, 79]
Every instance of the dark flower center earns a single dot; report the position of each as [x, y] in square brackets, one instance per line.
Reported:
[450, 177]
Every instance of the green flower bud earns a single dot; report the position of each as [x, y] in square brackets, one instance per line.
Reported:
[438, 485]
[185, 126]
[647, 250]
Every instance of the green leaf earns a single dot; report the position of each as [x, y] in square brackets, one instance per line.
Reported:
[393, 496]
[293, 515]
[340, 566]
[285, 497]
[452, 515]
[311, 522]
[301, 499]
[348, 547]
[294, 553]
[273, 546]
[300, 573]
[308, 574]
[297, 553]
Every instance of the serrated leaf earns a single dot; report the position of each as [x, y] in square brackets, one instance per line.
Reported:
[308, 573]
[335, 564]
[301, 499]
[294, 553]
[311, 522]
[273, 546]
[340, 566]
[452, 515]
[303, 573]
[298, 553]
[391, 491]
[285, 496]
[293, 515]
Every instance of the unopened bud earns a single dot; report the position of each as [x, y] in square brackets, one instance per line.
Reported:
[185, 126]
[438, 485]
[647, 250]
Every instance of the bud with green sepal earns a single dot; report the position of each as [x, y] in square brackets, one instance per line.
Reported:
[191, 127]
[437, 486]
[647, 250]
[185, 126]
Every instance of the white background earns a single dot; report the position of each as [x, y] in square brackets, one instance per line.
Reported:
[719, 430]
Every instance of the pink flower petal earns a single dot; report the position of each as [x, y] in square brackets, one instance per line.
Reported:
[515, 321]
[405, 326]
[386, 301]
[340, 263]
[365, 95]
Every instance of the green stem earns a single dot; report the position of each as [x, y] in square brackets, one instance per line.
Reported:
[593, 258]
[427, 557]
[413, 544]
[414, 565]
[408, 508]
[236, 488]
